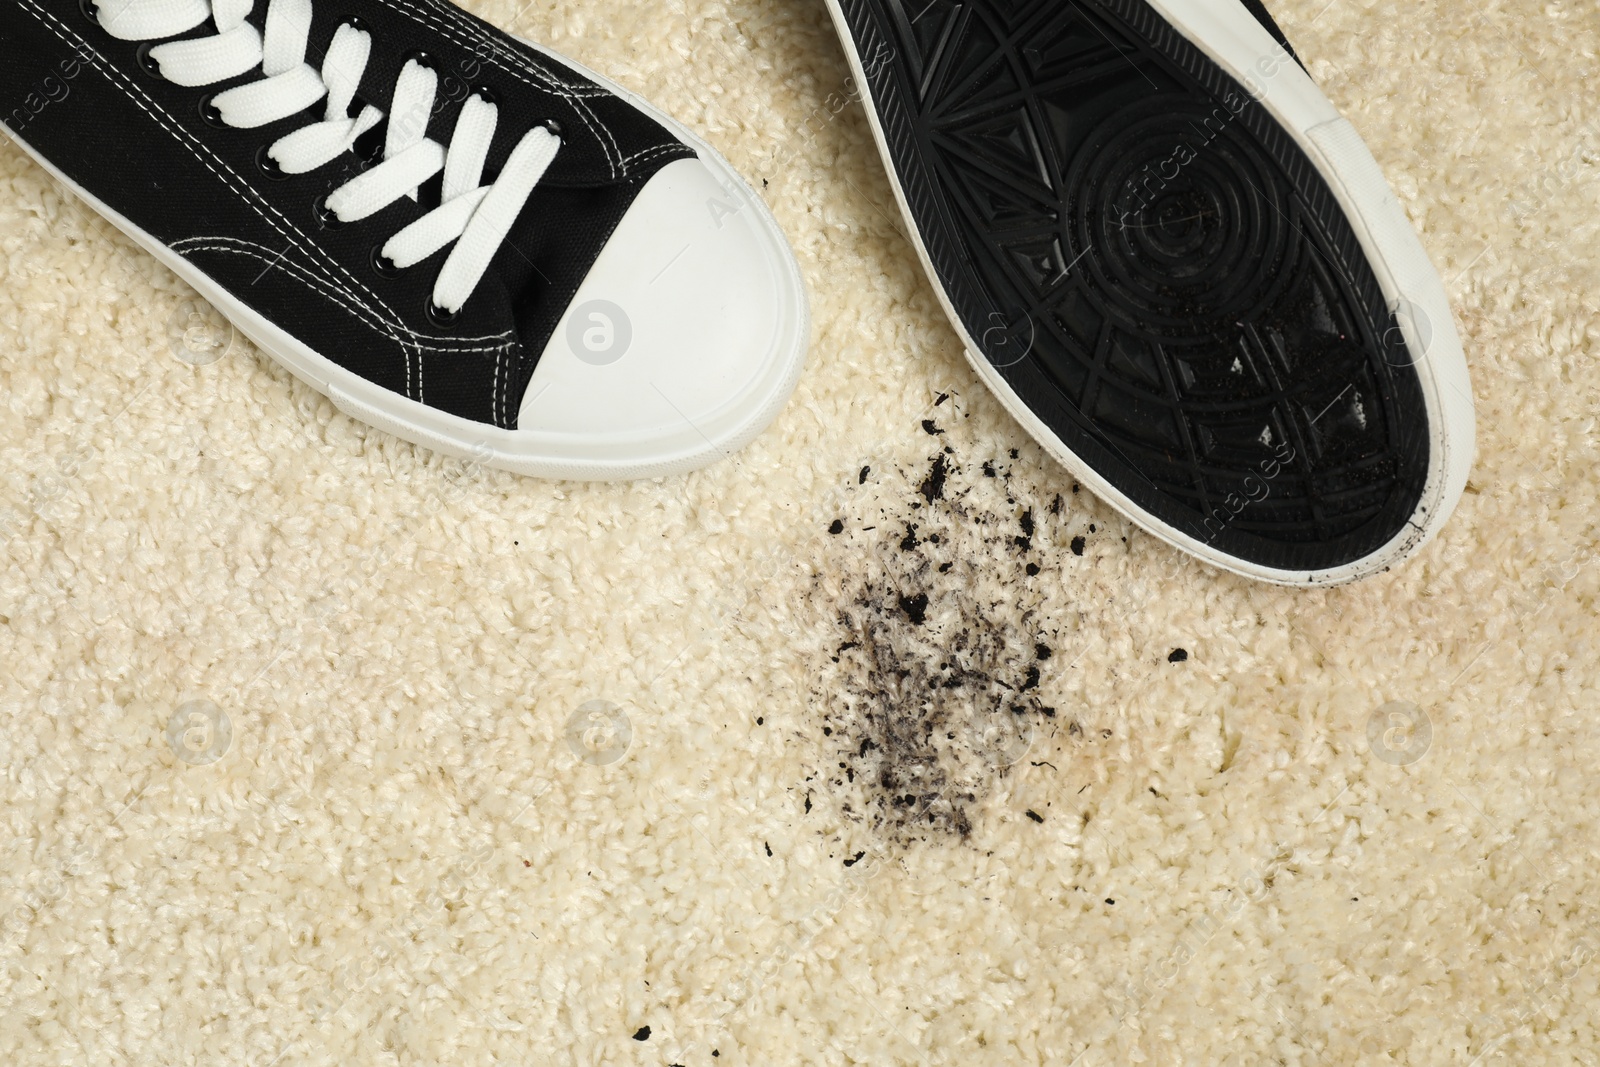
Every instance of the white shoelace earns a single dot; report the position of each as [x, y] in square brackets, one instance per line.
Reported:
[476, 216]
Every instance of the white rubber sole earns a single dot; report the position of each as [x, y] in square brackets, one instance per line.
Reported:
[1241, 46]
[603, 457]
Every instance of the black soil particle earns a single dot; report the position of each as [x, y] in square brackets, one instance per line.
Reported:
[1078, 544]
[1035, 816]
[915, 607]
[837, 527]
[933, 484]
[1025, 540]
[1177, 655]
[642, 1034]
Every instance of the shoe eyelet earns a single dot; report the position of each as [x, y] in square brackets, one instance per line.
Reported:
[210, 114]
[268, 165]
[89, 10]
[440, 317]
[555, 128]
[385, 267]
[422, 59]
[486, 94]
[355, 22]
[325, 217]
[147, 62]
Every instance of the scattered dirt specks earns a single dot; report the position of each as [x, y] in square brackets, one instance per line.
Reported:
[940, 618]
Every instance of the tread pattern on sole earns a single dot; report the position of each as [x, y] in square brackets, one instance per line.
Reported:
[1155, 267]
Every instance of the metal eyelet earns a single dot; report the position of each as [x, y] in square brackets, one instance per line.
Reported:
[148, 63]
[210, 114]
[89, 11]
[385, 267]
[555, 128]
[325, 216]
[422, 59]
[268, 165]
[440, 317]
[486, 94]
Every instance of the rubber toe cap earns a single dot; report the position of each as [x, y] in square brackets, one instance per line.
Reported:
[685, 338]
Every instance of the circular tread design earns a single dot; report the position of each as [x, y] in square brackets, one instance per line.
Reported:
[1198, 321]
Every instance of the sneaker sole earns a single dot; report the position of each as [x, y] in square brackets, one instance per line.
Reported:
[1215, 50]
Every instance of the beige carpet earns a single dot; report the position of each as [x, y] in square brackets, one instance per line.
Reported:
[520, 772]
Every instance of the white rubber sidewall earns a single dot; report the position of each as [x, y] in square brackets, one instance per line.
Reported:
[1231, 37]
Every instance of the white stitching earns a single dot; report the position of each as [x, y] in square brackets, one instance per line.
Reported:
[596, 127]
[499, 396]
[609, 145]
[658, 150]
[225, 173]
[241, 247]
[375, 315]
[218, 238]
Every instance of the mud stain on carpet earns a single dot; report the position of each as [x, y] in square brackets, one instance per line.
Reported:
[942, 611]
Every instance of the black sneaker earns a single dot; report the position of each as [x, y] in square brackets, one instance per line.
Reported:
[1179, 268]
[457, 236]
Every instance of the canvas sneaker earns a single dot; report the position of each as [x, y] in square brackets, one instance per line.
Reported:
[1179, 268]
[456, 235]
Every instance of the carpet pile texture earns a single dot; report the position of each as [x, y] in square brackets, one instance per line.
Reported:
[678, 772]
